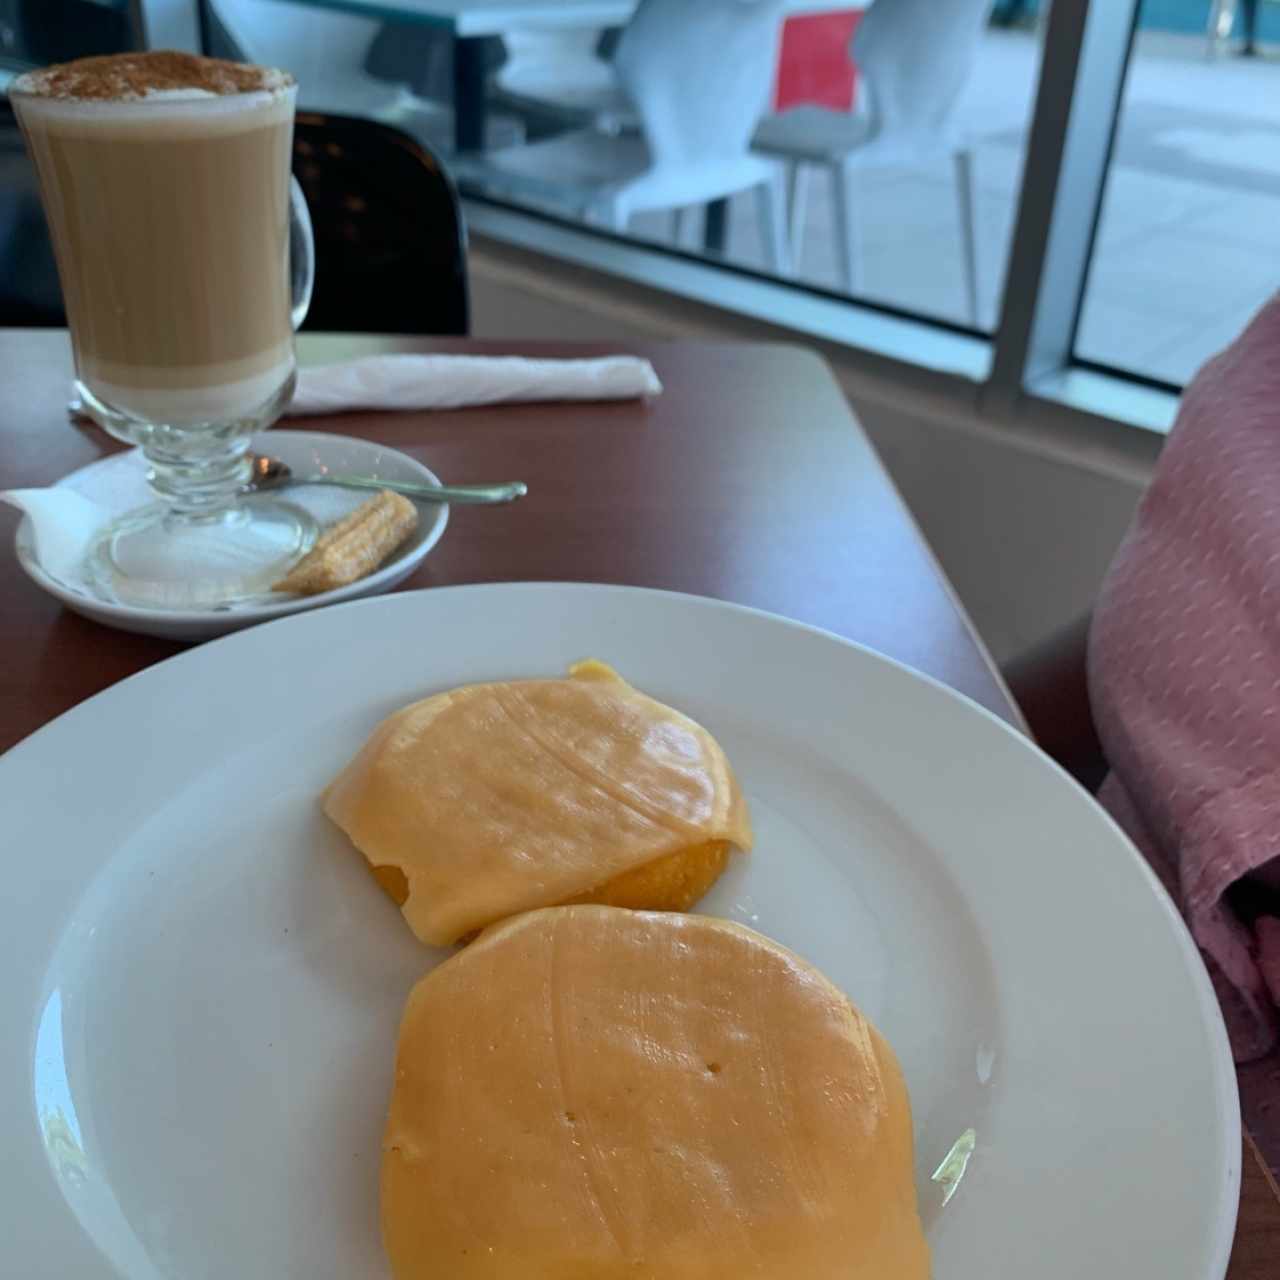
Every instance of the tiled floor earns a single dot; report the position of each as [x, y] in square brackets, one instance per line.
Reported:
[1188, 244]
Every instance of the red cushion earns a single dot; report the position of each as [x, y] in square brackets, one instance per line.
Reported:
[814, 66]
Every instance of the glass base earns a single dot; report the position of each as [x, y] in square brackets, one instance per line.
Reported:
[154, 559]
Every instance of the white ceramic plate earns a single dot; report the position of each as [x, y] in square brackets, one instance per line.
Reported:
[202, 983]
[118, 484]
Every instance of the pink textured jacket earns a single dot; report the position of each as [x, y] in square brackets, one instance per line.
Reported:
[1184, 676]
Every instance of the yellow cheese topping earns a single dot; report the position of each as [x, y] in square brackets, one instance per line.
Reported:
[591, 1092]
[497, 798]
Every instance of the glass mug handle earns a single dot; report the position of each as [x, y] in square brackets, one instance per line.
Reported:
[302, 255]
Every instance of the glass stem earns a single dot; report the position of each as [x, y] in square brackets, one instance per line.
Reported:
[198, 489]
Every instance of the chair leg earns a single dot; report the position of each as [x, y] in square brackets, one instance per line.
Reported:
[968, 243]
[607, 212]
[679, 217]
[1222, 19]
[797, 207]
[771, 210]
[847, 232]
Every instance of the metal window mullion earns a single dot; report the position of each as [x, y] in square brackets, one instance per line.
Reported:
[1082, 76]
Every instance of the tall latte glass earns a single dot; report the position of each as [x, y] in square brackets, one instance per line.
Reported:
[165, 180]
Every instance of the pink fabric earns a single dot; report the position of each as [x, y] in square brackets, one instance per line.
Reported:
[1184, 673]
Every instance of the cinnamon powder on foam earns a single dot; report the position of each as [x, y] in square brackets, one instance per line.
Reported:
[125, 77]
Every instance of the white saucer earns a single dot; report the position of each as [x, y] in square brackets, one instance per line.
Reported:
[118, 483]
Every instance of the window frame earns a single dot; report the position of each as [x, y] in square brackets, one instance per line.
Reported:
[1025, 374]
[1085, 62]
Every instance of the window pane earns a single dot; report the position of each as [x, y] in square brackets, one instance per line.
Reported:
[904, 160]
[1188, 245]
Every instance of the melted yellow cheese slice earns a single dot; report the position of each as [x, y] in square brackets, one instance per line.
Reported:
[497, 798]
[593, 1092]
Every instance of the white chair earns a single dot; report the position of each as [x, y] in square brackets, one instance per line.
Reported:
[561, 76]
[699, 77]
[325, 51]
[914, 58]
[559, 71]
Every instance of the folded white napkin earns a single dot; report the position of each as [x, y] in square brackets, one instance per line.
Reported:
[450, 382]
[63, 523]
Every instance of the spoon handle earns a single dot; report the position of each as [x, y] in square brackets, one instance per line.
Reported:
[463, 494]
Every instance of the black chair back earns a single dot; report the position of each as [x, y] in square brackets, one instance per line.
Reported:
[390, 242]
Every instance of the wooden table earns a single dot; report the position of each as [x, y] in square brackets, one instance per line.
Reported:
[748, 479]
[471, 22]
